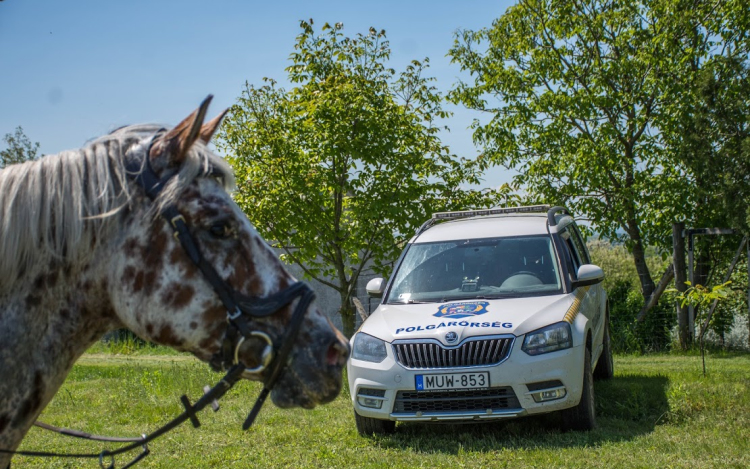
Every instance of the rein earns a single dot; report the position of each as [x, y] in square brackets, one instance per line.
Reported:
[241, 309]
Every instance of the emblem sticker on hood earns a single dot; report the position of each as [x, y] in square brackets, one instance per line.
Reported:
[462, 310]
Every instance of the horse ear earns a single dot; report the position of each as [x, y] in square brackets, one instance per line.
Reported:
[172, 148]
[208, 129]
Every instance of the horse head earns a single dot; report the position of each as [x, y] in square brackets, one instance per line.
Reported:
[194, 297]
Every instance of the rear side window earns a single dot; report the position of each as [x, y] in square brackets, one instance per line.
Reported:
[580, 246]
[575, 247]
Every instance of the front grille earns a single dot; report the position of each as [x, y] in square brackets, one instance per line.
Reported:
[472, 352]
[410, 402]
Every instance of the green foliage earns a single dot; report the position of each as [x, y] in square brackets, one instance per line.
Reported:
[712, 140]
[617, 262]
[125, 342]
[699, 295]
[585, 97]
[19, 149]
[340, 170]
[629, 336]
[702, 299]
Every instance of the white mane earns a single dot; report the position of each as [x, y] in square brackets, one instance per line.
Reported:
[54, 210]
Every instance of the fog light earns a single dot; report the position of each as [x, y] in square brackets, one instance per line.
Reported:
[370, 401]
[372, 398]
[548, 395]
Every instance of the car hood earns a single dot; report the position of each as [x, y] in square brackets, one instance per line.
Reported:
[515, 316]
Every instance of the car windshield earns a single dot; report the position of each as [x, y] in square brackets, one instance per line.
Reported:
[476, 269]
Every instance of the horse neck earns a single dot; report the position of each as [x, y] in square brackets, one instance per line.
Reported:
[45, 326]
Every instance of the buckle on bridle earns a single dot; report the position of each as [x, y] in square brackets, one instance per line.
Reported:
[174, 220]
[233, 316]
[265, 358]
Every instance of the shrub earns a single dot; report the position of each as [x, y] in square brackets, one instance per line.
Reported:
[629, 336]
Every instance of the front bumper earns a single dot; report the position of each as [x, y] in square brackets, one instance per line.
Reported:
[514, 384]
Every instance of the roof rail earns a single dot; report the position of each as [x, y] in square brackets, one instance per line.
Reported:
[438, 216]
[555, 210]
[490, 211]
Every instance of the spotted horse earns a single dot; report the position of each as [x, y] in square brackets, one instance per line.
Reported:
[138, 230]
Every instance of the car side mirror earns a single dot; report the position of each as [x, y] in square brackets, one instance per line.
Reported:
[375, 287]
[588, 274]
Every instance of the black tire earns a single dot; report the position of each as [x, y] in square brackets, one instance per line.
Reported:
[367, 426]
[605, 367]
[582, 417]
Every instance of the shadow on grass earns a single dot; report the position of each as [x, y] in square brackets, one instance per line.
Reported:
[627, 406]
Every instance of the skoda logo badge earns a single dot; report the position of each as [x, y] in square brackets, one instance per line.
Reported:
[451, 337]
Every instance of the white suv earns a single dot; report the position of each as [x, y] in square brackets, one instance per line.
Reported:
[489, 314]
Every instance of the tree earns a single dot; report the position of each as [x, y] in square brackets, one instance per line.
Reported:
[19, 149]
[339, 171]
[583, 97]
[712, 140]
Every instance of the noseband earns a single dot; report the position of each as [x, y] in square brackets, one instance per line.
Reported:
[241, 308]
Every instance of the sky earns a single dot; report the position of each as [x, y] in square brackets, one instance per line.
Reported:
[76, 69]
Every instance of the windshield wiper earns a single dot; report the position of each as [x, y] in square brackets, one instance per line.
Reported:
[456, 298]
[502, 295]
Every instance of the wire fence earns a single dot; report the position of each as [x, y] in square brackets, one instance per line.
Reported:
[717, 258]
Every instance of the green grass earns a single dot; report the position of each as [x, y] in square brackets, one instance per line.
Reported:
[658, 411]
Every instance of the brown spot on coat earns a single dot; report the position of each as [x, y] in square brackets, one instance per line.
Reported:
[178, 257]
[150, 282]
[131, 247]
[138, 282]
[128, 275]
[215, 314]
[153, 254]
[178, 296]
[167, 336]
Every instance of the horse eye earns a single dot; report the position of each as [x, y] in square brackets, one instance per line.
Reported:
[219, 230]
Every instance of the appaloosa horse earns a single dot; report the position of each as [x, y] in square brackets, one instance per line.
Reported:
[92, 240]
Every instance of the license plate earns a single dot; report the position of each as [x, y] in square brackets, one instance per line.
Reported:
[453, 381]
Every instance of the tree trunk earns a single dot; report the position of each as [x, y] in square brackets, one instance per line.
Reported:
[680, 277]
[639, 258]
[348, 319]
[654, 298]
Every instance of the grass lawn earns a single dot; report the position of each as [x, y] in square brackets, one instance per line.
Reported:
[658, 411]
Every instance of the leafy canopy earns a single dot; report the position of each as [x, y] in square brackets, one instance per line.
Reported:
[341, 169]
[584, 98]
[19, 149]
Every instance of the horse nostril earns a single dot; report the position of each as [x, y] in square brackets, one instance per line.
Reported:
[337, 353]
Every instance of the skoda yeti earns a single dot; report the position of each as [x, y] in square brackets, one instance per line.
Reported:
[489, 314]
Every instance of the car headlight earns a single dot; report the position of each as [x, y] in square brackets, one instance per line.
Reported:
[368, 348]
[548, 339]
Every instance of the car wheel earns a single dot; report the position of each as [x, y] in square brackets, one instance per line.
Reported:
[605, 367]
[583, 416]
[367, 426]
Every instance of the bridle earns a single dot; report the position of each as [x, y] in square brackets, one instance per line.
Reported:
[241, 310]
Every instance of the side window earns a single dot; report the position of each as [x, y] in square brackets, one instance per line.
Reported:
[580, 246]
[573, 253]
